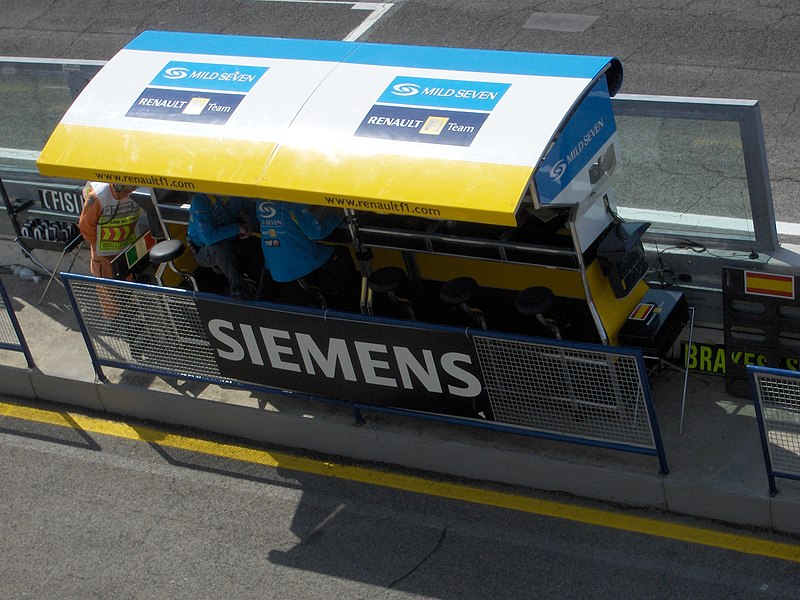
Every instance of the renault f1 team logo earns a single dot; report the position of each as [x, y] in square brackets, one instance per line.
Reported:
[411, 109]
[444, 93]
[209, 76]
[214, 108]
[431, 126]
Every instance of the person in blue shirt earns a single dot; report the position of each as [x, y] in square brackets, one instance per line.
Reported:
[219, 232]
[296, 257]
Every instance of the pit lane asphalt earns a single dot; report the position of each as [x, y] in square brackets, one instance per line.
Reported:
[716, 463]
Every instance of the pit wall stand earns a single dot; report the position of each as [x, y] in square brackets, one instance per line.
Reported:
[71, 240]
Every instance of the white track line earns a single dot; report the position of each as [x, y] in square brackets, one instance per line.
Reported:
[377, 10]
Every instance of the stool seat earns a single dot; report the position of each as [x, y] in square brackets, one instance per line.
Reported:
[386, 279]
[458, 291]
[166, 251]
[534, 300]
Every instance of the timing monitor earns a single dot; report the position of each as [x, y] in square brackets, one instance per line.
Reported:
[154, 224]
[622, 257]
[605, 164]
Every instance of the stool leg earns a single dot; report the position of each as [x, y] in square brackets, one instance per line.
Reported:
[403, 304]
[550, 324]
[185, 275]
[366, 297]
[314, 291]
[476, 314]
[159, 273]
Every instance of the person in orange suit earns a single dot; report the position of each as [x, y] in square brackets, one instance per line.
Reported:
[108, 223]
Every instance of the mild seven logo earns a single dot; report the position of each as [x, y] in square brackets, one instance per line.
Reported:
[405, 89]
[444, 93]
[557, 170]
[176, 73]
[209, 76]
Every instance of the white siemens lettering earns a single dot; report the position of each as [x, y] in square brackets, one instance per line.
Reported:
[371, 363]
[408, 364]
[337, 355]
[473, 385]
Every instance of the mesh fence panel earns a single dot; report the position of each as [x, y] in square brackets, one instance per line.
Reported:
[546, 387]
[567, 391]
[780, 409]
[8, 334]
[150, 328]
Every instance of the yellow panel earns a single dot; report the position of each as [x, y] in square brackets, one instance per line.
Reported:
[386, 183]
[504, 276]
[385, 257]
[613, 311]
[458, 190]
[186, 261]
[157, 160]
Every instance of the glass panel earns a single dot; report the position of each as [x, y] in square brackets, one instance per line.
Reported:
[682, 169]
[33, 103]
[685, 176]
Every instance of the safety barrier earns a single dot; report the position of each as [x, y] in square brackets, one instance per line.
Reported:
[11, 337]
[776, 395]
[580, 393]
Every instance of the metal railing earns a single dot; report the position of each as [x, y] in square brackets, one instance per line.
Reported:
[776, 396]
[580, 393]
[11, 337]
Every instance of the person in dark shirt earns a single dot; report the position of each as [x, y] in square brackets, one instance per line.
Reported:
[220, 229]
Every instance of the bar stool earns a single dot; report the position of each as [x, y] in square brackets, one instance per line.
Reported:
[163, 253]
[534, 302]
[460, 292]
[387, 280]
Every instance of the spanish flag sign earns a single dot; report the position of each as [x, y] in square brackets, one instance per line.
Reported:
[769, 284]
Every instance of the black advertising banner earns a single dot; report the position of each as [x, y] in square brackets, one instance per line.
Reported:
[61, 201]
[349, 359]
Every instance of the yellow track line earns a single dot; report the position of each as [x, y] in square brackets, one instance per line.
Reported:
[684, 533]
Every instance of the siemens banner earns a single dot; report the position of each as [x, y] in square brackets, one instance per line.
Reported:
[374, 363]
